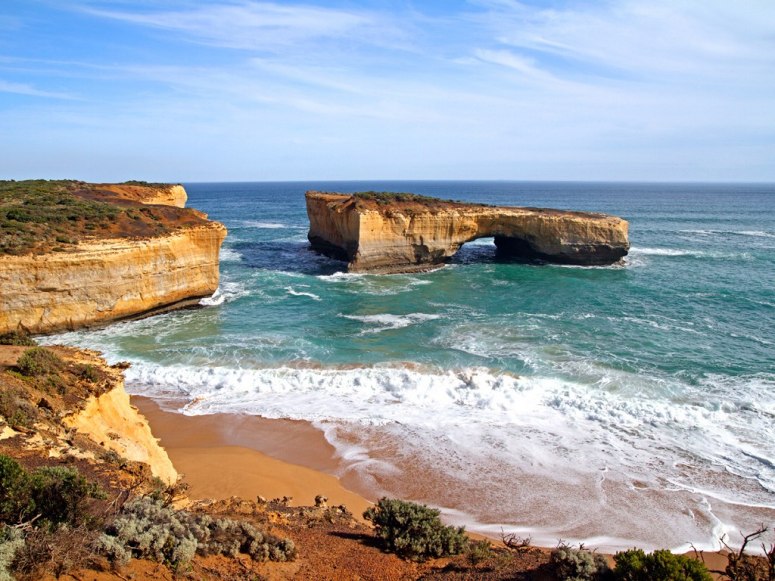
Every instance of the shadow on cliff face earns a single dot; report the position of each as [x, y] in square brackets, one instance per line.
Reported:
[288, 256]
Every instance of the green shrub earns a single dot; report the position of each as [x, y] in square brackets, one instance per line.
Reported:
[15, 501]
[16, 409]
[87, 372]
[478, 551]
[636, 565]
[39, 361]
[11, 542]
[414, 531]
[60, 494]
[49, 495]
[147, 528]
[572, 564]
[18, 338]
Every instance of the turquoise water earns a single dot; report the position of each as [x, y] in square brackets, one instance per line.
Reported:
[633, 403]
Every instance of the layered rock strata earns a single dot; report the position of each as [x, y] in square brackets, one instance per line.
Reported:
[134, 267]
[113, 422]
[164, 194]
[389, 233]
[106, 280]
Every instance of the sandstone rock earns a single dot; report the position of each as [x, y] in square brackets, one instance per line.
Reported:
[410, 233]
[164, 194]
[112, 421]
[106, 280]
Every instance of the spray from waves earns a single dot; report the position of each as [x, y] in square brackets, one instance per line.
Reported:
[387, 322]
[265, 225]
[666, 252]
[548, 415]
[341, 276]
[229, 255]
[226, 292]
[637, 252]
[296, 293]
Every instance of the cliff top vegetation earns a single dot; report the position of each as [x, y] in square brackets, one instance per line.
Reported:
[39, 216]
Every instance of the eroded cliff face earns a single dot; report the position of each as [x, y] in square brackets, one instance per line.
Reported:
[105, 280]
[395, 234]
[164, 194]
[111, 421]
[85, 419]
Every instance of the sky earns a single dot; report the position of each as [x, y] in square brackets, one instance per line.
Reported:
[242, 90]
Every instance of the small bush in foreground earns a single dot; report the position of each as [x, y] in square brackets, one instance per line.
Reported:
[48, 496]
[478, 552]
[147, 528]
[11, 542]
[39, 361]
[414, 531]
[18, 338]
[636, 565]
[17, 410]
[572, 564]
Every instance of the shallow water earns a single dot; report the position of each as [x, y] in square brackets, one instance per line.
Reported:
[619, 405]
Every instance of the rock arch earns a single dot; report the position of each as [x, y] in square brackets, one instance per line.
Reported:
[391, 233]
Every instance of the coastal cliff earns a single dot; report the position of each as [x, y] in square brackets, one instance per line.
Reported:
[86, 418]
[163, 194]
[77, 255]
[107, 280]
[113, 422]
[386, 233]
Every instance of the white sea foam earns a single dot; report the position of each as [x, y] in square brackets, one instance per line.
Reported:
[385, 322]
[226, 292]
[296, 293]
[665, 252]
[757, 233]
[264, 225]
[229, 255]
[341, 276]
[636, 252]
[754, 233]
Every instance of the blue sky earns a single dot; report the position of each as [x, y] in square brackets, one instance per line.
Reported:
[182, 90]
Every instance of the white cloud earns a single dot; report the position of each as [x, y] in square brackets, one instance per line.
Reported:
[261, 25]
[644, 38]
[25, 89]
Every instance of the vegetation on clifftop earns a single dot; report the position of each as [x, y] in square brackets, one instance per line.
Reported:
[51, 215]
[388, 198]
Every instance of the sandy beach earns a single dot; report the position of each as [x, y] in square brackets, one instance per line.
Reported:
[225, 455]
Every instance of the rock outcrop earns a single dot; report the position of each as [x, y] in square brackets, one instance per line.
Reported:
[143, 260]
[107, 280]
[389, 233]
[88, 417]
[113, 422]
[164, 194]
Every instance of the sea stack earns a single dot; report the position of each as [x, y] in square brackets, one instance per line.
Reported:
[394, 233]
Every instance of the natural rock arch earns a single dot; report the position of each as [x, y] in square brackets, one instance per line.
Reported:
[406, 233]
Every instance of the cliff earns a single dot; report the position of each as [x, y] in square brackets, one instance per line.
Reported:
[111, 421]
[163, 194]
[106, 280]
[86, 418]
[77, 255]
[403, 232]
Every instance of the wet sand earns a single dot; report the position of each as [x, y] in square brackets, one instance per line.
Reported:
[225, 455]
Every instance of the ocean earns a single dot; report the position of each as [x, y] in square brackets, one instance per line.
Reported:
[631, 404]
